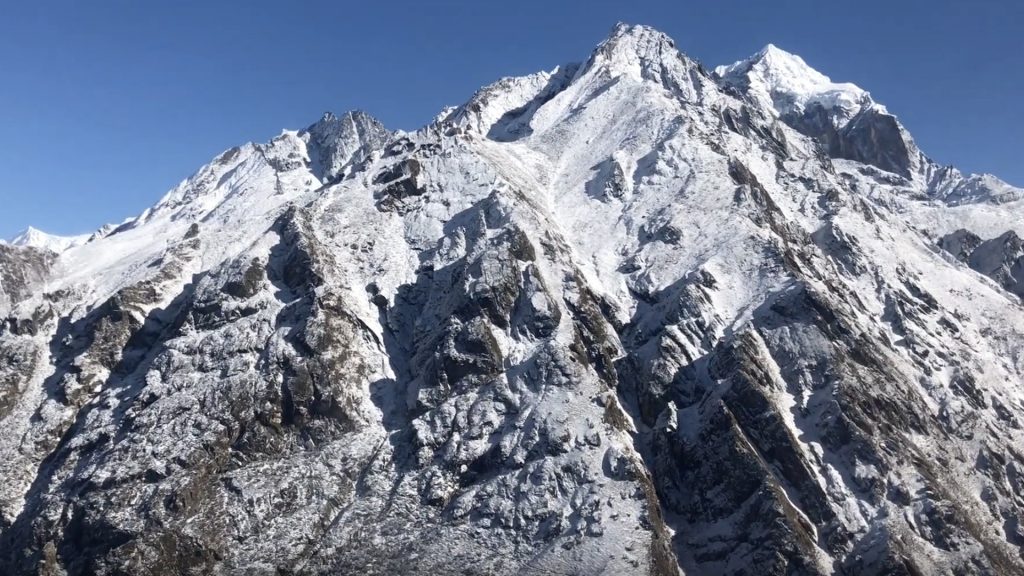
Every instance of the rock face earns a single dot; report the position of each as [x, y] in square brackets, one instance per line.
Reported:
[1000, 258]
[335, 145]
[22, 269]
[625, 317]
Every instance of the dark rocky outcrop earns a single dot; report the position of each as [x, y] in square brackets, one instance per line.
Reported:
[1000, 258]
[872, 137]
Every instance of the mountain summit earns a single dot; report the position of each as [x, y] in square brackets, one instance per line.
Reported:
[627, 316]
[784, 82]
[38, 239]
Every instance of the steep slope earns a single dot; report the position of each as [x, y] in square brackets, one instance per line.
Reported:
[622, 317]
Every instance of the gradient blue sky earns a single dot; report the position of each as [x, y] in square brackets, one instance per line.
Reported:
[105, 105]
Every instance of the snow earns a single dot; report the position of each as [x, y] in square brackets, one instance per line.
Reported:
[38, 239]
[785, 83]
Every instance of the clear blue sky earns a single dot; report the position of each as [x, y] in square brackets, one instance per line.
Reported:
[105, 105]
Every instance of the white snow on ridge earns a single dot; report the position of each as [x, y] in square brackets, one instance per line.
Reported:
[36, 238]
[786, 82]
[780, 82]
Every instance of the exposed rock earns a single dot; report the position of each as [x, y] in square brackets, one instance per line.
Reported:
[1000, 258]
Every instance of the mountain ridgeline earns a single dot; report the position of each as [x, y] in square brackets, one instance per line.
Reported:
[629, 316]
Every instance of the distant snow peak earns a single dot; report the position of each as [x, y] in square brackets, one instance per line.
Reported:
[851, 125]
[788, 66]
[36, 238]
[785, 82]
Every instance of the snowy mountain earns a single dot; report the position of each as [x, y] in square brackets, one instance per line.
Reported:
[780, 81]
[624, 317]
[39, 239]
[849, 124]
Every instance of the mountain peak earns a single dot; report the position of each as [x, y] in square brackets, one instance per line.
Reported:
[784, 81]
[631, 44]
[780, 70]
[637, 31]
[335, 142]
[639, 53]
[642, 53]
[357, 119]
[36, 238]
[773, 53]
[788, 69]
